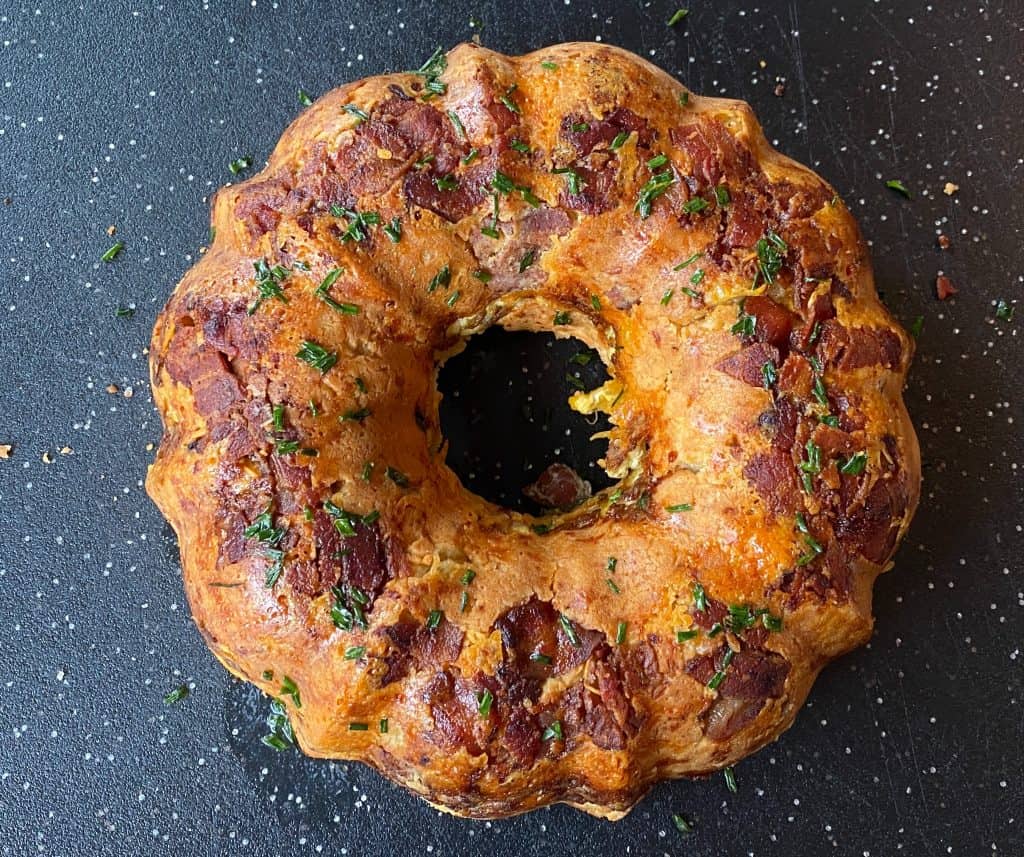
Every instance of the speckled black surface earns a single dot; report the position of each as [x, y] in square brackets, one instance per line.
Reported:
[128, 113]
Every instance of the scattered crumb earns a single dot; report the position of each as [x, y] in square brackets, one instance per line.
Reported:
[780, 89]
[950, 188]
[149, 447]
[47, 457]
[944, 242]
[5, 450]
[129, 392]
[111, 230]
[762, 64]
[113, 389]
[66, 450]
[944, 287]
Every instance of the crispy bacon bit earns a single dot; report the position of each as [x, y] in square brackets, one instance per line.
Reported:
[871, 530]
[849, 348]
[746, 365]
[502, 259]
[773, 476]
[773, 323]
[586, 133]
[752, 678]
[599, 708]
[205, 370]
[944, 242]
[454, 703]
[415, 645]
[597, 181]
[558, 487]
[716, 155]
[796, 377]
[944, 288]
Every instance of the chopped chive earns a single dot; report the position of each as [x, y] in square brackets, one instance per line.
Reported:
[528, 259]
[697, 277]
[581, 359]
[355, 415]
[353, 110]
[898, 186]
[688, 261]
[124, 312]
[769, 375]
[553, 732]
[595, 302]
[580, 127]
[771, 623]
[689, 634]
[441, 278]
[460, 129]
[396, 476]
[468, 577]
[469, 157]
[463, 601]
[657, 161]
[453, 298]
[539, 658]
[176, 695]
[434, 619]
[679, 507]
[284, 447]
[483, 276]
[678, 16]
[304, 98]
[519, 146]
[509, 103]
[695, 205]
[656, 186]
[620, 633]
[448, 182]
[917, 325]
[567, 627]
[1004, 312]
[278, 417]
[358, 727]
[550, 66]
[855, 464]
[684, 98]
[367, 471]
[620, 140]
[612, 585]
[611, 564]
[394, 230]
[700, 598]
[730, 779]
[383, 726]
[722, 195]
[562, 317]
[239, 164]
[484, 701]
[289, 688]
[665, 298]
[682, 825]
[113, 252]
[354, 653]
[573, 183]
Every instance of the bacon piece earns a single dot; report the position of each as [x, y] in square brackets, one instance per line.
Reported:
[944, 288]
[772, 323]
[558, 487]
[849, 348]
[416, 645]
[532, 233]
[747, 364]
[601, 132]
[795, 377]
[773, 476]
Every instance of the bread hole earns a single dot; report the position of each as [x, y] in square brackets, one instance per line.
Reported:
[505, 414]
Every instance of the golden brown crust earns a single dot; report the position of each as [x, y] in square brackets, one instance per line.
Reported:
[768, 466]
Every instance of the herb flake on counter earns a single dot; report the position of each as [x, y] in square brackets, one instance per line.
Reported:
[113, 252]
[304, 98]
[898, 186]
[176, 695]
[239, 165]
[678, 16]
[1004, 311]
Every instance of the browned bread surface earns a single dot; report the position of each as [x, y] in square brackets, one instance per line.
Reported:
[489, 661]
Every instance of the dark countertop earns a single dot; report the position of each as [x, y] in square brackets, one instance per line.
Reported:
[127, 113]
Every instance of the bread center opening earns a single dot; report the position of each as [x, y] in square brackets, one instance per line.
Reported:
[512, 437]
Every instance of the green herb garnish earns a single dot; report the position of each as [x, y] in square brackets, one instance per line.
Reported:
[111, 254]
[678, 16]
[176, 695]
[316, 356]
[570, 631]
[553, 732]
[483, 703]
[239, 164]
[656, 185]
[353, 110]
[898, 186]
[562, 317]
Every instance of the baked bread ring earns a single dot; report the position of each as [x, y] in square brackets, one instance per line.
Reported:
[490, 661]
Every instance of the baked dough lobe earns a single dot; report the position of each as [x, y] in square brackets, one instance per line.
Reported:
[489, 661]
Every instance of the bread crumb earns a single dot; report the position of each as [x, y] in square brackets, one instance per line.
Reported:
[944, 242]
[944, 287]
[113, 389]
[950, 188]
[66, 450]
[129, 392]
[5, 450]
[762, 64]
[149, 446]
[47, 457]
[111, 230]
[384, 154]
